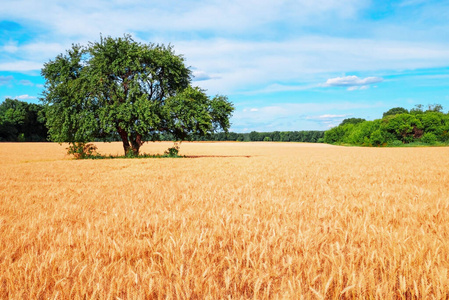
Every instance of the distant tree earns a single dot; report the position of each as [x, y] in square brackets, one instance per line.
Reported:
[284, 136]
[220, 136]
[21, 121]
[419, 109]
[336, 134]
[276, 136]
[352, 121]
[433, 122]
[435, 107]
[406, 127]
[430, 126]
[254, 136]
[395, 111]
[119, 87]
[12, 118]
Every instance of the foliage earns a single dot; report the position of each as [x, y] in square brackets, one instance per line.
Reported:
[395, 111]
[352, 121]
[338, 134]
[21, 122]
[429, 138]
[404, 127]
[312, 136]
[173, 151]
[121, 88]
[82, 150]
[397, 127]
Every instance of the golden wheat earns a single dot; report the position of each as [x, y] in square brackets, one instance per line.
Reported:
[234, 220]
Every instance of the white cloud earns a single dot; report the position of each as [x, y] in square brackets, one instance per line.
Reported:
[352, 81]
[222, 39]
[10, 47]
[20, 66]
[202, 76]
[25, 97]
[21, 97]
[87, 18]
[328, 116]
[299, 64]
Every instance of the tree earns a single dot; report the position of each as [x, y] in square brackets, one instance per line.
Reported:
[276, 136]
[121, 87]
[405, 127]
[435, 107]
[253, 136]
[352, 121]
[395, 111]
[21, 121]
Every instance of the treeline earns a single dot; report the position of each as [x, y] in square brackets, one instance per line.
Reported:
[254, 136]
[25, 122]
[398, 126]
[22, 122]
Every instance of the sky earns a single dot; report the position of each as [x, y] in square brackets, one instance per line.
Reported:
[286, 64]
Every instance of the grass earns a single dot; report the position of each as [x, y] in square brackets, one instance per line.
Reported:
[256, 220]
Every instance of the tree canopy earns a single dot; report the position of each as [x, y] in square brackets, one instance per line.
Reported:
[21, 121]
[395, 111]
[118, 87]
[352, 121]
[398, 126]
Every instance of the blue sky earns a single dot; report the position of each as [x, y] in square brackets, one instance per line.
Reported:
[286, 65]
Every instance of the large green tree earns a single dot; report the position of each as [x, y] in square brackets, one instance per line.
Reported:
[121, 88]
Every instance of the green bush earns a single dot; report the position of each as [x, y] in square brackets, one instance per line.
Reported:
[173, 151]
[429, 138]
[82, 150]
[21, 137]
[395, 143]
[405, 127]
[376, 138]
[338, 134]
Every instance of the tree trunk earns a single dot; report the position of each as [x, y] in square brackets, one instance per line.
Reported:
[136, 144]
[124, 136]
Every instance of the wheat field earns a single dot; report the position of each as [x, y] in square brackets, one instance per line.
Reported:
[230, 221]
